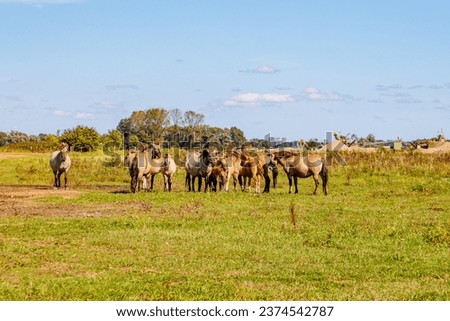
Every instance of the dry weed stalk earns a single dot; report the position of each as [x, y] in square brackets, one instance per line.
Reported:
[293, 215]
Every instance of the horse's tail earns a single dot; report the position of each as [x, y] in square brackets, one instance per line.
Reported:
[324, 175]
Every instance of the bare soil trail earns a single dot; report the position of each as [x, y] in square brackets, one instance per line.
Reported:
[26, 201]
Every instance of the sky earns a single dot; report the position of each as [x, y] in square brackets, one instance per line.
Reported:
[291, 68]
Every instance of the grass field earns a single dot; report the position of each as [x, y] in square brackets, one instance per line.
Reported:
[383, 233]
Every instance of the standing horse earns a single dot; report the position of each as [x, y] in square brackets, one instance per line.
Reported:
[143, 164]
[60, 163]
[231, 165]
[168, 169]
[298, 166]
[197, 165]
[251, 167]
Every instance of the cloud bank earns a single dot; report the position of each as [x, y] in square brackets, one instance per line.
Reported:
[314, 94]
[258, 98]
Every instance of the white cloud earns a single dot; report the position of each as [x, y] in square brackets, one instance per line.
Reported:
[78, 115]
[313, 93]
[265, 70]
[262, 70]
[83, 115]
[258, 98]
[59, 112]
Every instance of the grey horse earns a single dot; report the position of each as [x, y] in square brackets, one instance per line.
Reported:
[60, 163]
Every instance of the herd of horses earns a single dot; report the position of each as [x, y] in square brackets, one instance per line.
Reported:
[213, 168]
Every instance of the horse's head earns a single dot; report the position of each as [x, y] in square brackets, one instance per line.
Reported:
[271, 161]
[276, 156]
[129, 157]
[207, 159]
[246, 159]
[63, 151]
[156, 151]
[166, 160]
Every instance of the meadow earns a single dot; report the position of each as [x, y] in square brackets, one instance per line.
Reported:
[383, 233]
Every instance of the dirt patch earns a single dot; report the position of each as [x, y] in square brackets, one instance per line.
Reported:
[24, 201]
[35, 192]
[7, 155]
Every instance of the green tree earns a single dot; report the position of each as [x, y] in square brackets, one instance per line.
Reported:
[371, 138]
[237, 136]
[114, 137]
[3, 137]
[148, 125]
[81, 138]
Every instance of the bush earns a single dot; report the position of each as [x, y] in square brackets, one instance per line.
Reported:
[81, 138]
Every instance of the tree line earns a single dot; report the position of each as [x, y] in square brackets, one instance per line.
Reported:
[178, 128]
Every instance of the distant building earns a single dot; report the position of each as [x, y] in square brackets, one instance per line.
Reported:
[279, 142]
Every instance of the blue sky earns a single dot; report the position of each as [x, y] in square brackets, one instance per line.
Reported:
[290, 68]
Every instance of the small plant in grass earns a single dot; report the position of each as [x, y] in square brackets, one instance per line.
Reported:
[293, 215]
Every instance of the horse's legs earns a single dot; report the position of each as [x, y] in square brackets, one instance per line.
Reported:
[55, 184]
[152, 180]
[200, 183]
[316, 183]
[296, 184]
[188, 181]
[65, 180]
[235, 181]
[133, 184]
[290, 183]
[274, 176]
[257, 180]
[140, 178]
[58, 181]
[324, 176]
[266, 183]
[226, 185]
[169, 183]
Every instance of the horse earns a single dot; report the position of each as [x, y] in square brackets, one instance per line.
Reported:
[136, 172]
[60, 163]
[269, 166]
[230, 165]
[251, 167]
[197, 165]
[298, 166]
[217, 175]
[168, 169]
[141, 165]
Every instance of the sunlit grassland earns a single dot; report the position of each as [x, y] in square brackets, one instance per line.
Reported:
[383, 233]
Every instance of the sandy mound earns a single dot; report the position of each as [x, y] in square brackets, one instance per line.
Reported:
[335, 146]
[443, 147]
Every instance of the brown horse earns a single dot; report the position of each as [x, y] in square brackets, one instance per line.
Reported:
[251, 168]
[230, 166]
[217, 176]
[298, 166]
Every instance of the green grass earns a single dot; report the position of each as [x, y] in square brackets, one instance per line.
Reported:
[383, 233]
